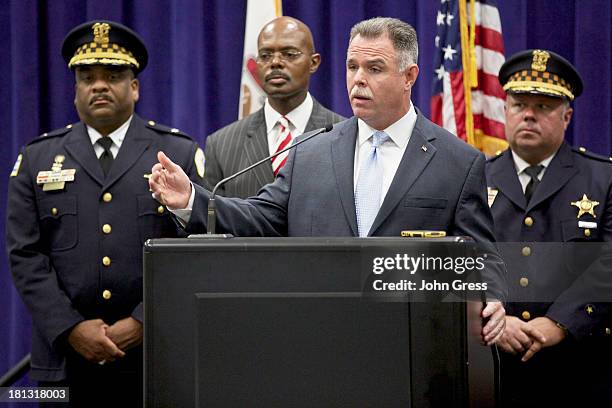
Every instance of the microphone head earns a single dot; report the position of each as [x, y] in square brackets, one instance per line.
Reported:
[329, 127]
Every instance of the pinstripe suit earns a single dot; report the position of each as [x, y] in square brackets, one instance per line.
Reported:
[244, 142]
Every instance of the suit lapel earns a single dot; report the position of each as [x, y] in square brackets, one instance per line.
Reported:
[343, 162]
[505, 179]
[317, 117]
[560, 171]
[134, 144]
[256, 148]
[417, 156]
[80, 149]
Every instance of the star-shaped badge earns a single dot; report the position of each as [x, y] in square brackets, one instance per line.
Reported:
[585, 206]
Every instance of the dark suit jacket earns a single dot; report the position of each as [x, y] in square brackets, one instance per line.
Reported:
[568, 281]
[55, 239]
[245, 142]
[439, 185]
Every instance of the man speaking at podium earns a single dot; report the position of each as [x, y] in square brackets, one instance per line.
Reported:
[385, 170]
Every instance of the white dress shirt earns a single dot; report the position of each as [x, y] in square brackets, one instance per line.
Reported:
[390, 153]
[116, 136]
[520, 165]
[298, 119]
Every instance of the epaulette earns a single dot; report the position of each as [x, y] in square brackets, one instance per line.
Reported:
[497, 155]
[599, 157]
[54, 133]
[165, 129]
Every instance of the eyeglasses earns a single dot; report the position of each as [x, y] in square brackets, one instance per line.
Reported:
[266, 57]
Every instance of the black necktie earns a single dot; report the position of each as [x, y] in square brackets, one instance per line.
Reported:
[106, 160]
[533, 172]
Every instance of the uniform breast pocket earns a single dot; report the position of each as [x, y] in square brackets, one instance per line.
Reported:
[154, 220]
[572, 232]
[58, 221]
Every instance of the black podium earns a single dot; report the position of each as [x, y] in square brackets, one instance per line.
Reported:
[267, 322]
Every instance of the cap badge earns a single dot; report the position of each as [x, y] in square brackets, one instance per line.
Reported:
[100, 31]
[540, 58]
[585, 206]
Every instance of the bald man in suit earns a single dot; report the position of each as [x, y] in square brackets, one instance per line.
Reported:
[286, 60]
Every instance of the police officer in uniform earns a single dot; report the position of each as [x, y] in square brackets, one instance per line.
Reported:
[557, 344]
[79, 211]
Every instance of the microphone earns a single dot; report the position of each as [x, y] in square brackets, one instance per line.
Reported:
[212, 215]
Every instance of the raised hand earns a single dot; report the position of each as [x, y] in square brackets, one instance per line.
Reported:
[169, 183]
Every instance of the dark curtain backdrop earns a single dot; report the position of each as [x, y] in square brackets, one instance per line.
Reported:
[192, 81]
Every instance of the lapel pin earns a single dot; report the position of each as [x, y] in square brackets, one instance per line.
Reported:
[424, 148]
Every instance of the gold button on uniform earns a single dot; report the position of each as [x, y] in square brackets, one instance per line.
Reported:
[528, 221]
[526, 251]
[54, 211]
[524, 282]
[608, 331]
[107, 197]
[587, 232]
[526, 315]
[106, 261]
[160, 209]
[106, 228]
[106, 294]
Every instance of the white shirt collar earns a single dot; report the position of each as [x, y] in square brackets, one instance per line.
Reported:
[298, 117]
[116, 136]
[520, 165]
[399, 132]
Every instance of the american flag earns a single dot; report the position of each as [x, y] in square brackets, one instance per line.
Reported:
[469, 60]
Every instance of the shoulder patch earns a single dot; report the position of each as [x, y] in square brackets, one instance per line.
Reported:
[585, 153]
[54, 133]
[165, 129]
[200, 161]
[17, 165]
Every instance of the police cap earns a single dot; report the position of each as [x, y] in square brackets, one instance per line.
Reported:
[540, 72]
[102, 42]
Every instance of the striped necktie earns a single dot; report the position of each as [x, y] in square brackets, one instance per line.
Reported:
[369, 186]
[283, 139]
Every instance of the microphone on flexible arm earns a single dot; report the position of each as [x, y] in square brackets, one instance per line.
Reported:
[212, 215]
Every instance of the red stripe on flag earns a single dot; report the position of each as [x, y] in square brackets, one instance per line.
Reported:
[456, 80]
[436, 109]
[489, 126]
[489, 84]
[490, 39]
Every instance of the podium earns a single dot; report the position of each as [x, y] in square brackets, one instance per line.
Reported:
[287, 322]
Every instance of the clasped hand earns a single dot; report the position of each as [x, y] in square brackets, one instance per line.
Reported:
[97, 341]
[528, 338]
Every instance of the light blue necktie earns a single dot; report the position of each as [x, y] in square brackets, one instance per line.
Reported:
[369, 186]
